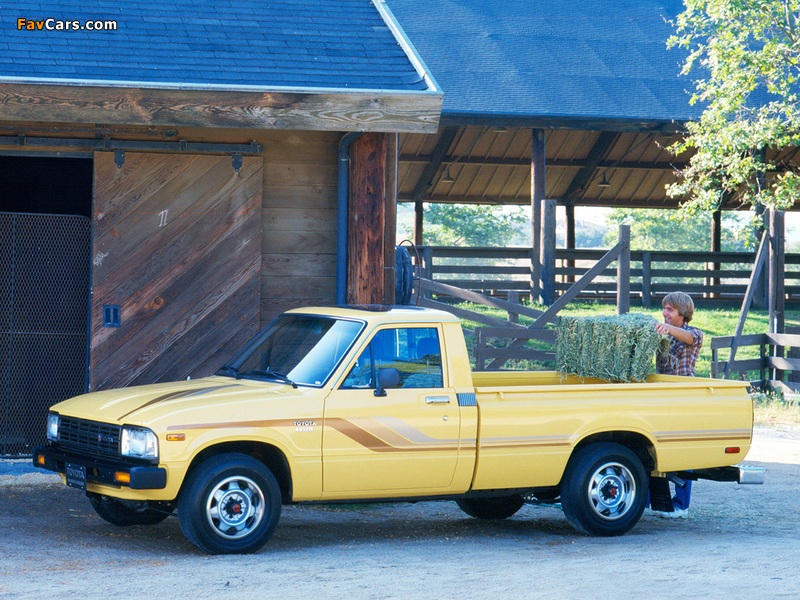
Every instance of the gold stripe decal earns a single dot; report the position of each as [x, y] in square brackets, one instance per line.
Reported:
[177, 395]
[702, 436]
[388, 434]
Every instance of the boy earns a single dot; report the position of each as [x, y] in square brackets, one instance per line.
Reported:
[684, 348]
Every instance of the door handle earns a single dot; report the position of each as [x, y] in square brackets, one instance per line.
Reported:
[437, 399]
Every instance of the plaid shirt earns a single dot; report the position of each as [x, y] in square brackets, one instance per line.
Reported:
[681, 358]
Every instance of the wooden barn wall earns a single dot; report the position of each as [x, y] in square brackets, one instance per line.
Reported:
[177, 244]
[299, 231]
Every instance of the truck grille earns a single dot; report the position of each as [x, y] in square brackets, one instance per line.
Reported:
[88, 437]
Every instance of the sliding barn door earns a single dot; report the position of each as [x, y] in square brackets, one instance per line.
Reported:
[176, 265]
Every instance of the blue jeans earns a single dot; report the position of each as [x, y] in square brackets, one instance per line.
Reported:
[682, 495]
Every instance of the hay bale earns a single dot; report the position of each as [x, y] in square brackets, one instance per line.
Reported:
[615, 348]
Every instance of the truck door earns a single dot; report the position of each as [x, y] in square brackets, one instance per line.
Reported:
[404, 440]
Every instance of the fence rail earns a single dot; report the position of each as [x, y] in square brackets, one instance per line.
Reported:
[778, 362]
[706, 275]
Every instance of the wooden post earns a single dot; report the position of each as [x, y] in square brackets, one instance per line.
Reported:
[419, 211]
[537, 195]
[426, 270]
[776, 299]
[777, 249]
[647, 295]
[390, 216]
[716, 246]
[548, 287]
[624, 270]
[514, 298]
[570, 206]
[370, 274]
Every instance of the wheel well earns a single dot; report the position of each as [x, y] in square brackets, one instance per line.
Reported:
[271, 456]
[636, 442]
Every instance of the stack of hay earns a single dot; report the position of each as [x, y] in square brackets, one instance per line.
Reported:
[615, 348]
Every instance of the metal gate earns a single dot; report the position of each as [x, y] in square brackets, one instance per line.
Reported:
[44, 321]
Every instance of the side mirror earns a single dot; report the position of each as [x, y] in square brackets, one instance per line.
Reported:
[388, 377]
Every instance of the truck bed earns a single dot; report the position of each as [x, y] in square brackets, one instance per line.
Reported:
[530, 421]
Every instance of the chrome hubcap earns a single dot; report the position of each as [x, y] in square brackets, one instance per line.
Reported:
[235, 507]
[612, 490]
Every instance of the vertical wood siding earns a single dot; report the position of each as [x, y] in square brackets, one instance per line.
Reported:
[177, 244]
[299, 231]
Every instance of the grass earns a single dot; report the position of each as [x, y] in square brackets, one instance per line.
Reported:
[770, 408]
[775, 409]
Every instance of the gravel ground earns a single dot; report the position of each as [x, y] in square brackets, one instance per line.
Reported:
[739, 542]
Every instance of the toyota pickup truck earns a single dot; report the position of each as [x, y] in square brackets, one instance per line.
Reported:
[344, 404]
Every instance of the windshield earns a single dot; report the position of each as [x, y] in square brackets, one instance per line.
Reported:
[295, 349]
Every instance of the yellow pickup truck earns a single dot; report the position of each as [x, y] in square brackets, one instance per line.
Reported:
[346, 404]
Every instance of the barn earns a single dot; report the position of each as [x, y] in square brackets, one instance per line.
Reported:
[176, 175]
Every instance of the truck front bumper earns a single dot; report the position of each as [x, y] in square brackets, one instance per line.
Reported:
[98, 471]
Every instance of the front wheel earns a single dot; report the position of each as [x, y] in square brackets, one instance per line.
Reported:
[491, 508]
[230, 504]
[604, 490]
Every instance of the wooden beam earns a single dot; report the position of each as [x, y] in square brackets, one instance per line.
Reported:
[434, 162]
[524, 200]
[568, 163]
[579, 183]
[366, 251]
[419, 223]
[537, 167]
[390, 216]
[260, 109]
[548, 292]
[777, 259]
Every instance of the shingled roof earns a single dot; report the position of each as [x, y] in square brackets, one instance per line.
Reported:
[291, 43]
[293, 46]
[569, 60]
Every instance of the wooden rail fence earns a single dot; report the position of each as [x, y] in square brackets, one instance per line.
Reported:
[704, 275]
[778, 363]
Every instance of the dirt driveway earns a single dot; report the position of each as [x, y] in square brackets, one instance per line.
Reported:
[740, 542]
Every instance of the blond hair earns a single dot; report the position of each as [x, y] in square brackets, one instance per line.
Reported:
[681, 302]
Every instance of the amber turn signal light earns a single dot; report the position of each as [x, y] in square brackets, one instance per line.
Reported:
[121, 477]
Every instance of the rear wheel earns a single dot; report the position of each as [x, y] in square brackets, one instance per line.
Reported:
[117, 513]
[230, 504]
[604, 490]
[491, 508]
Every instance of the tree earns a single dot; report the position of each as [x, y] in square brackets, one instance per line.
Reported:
[653, 229]
[473, 225]
[746, 57]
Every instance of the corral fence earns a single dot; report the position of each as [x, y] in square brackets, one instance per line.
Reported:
[516, 338]
[777, 367]
[507, 272]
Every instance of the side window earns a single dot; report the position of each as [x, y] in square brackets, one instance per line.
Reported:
[415, 352]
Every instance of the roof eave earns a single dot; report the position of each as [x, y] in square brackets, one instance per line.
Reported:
[198, 105]
[585, 123]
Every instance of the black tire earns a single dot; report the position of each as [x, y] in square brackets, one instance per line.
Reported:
[117, 513]
[604, 490]
[229, 504]
[491, 508]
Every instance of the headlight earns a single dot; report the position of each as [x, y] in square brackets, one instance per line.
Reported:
[52, 427]
[139, 443]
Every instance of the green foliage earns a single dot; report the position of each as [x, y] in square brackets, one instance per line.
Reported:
[615, 348]
[473, 225]
[653, 229]
[745, 56]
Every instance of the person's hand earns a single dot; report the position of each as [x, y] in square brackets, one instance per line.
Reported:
[662, 328]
